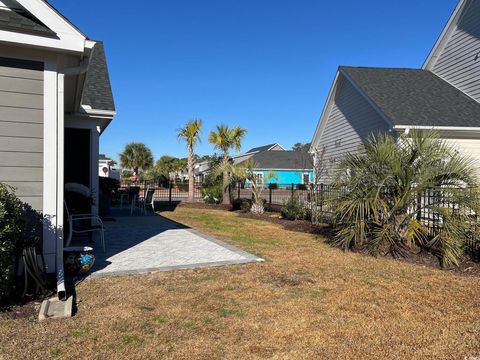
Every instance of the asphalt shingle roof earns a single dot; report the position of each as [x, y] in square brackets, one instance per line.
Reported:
[260, 148]
[23, 22]
[291, 160]
[415, 97]
[97, 92]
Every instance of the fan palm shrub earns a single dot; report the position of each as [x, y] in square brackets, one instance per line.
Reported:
[245, 171]
[386, 184]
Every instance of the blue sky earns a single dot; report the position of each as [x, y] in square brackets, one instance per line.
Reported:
[265, 65]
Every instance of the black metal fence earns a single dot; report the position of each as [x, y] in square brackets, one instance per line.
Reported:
[172, 192]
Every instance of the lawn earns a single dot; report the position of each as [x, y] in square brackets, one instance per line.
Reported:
[307, 300]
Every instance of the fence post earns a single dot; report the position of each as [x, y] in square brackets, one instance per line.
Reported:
[270, 196]
[238, 190]
[293, 189]
[321, 197]
[170, 194]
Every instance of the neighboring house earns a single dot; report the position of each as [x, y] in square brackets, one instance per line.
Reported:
[55, 101]
[289, 166]
[443, 95]
[201, 170]
[244, 156]
[106, 169]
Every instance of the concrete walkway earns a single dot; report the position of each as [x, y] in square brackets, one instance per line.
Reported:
[141, 244]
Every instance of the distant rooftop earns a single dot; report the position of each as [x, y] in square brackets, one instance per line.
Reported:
[287, 160]
[263, 148]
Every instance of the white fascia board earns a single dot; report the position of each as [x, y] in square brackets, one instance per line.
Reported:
[69, 38]
[276, 144]
[445, 35]
[96, 112]
[68, 45]
[325, 113]
[444, 128]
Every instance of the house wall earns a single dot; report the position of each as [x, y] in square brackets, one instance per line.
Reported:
[22, 127]
[468, 147]
[285, 176]
[459, 62]
[350, 121]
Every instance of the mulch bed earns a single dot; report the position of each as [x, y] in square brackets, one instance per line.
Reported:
[23, 311]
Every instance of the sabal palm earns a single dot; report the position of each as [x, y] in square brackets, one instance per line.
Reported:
[190, 133]
[224, 139]
[379, 210]
[136, 156]
[246, 172]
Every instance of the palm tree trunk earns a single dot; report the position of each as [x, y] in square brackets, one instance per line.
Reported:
[191, 180]
[226, 192]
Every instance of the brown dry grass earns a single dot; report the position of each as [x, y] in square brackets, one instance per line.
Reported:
[307, 300]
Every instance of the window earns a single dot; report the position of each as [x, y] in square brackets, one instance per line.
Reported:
[306, 178]
[259, 178]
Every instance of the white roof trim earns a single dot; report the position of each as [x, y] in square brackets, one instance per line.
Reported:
[447, 32]
[276, 144]
[88, 110]
[446, 128]
[69, 37]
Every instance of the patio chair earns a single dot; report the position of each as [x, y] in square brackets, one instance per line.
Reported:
[147, 201]
[86, 228]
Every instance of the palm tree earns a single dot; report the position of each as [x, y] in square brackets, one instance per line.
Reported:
[191, 134]
[246, 172]
[223, 139]
[380, 211]
[136, 156]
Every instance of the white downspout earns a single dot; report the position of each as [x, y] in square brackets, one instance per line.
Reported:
[61, 291]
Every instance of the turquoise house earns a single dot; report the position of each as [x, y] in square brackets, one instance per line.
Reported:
[289, 167]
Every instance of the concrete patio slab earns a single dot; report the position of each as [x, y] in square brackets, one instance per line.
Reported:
[142, 244]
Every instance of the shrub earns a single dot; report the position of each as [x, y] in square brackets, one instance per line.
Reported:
[241, 204]
[273, 186]
[387, 180]
[213, 194]
[302, 187]
[108, 186]
[12, 223]
[294, 209]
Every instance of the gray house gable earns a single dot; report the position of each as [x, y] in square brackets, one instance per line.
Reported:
[456, 55]
[348, 119]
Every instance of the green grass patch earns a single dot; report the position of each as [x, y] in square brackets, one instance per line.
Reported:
[132, 340]
[223, 312]
[55, 352]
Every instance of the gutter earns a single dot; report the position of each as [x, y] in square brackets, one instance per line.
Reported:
[61, 291]
[407, 128]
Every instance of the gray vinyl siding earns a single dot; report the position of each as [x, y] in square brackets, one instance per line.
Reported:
[351, 121]
[21, 129]
[459, 63]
